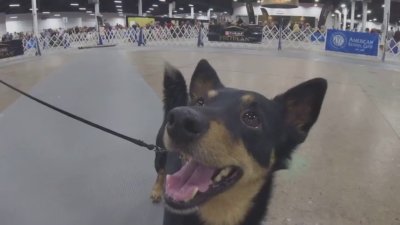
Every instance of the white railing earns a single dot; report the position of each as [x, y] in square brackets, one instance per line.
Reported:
[307, 39]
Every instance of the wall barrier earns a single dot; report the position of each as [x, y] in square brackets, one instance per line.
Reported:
[307, 39]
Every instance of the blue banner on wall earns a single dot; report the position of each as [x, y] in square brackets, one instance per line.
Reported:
[352, 42]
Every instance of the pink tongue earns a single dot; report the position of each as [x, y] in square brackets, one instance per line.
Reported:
[182, 185]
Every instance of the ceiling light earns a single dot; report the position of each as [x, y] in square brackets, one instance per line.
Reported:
[369, 11]
[315, 5]
[151, 9]
[74, 4]
[181, 9]
[89, 11]
[119, 10]
[46, 12]
[57, 15]
[190, 5]
[235, 0]
[118, 6]
[175, 11]
[155, 5]
[14, 5]
[162, 0]
[370, 20]
[148, 11]
[31, 9]
[13, 17]
[375, 19]
[358, 15]
[343, 5]
[117, 1]
[92, 14]
[316, 0]
[82, 9]
[200, 11]
[333, 14]
[383, 5]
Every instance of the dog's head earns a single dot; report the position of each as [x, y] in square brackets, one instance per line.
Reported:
[231, 139]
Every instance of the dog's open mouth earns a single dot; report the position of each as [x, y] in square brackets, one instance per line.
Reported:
[195, 183]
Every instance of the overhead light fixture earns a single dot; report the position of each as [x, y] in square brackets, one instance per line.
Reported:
[151, 9]
[343, 5]
[316, 0]
[235, 0]
[211, 9]
[200, 11]
[333, 15]
[315, 5]
[82, 9]
[383, 5]
[31, 9]
[119, 10]
[181, 9]
[46, 12]
[14, 17]
[155, 5]
[375, 19]
[190, 5]
[57, 15]
[88, 11]
[358, 15]
[118, 6]
[148, 11]
[14, 5]
[92, 14]
[118, 1]
[175, 11]
[74, 4]
[369, 11]
[162, 0]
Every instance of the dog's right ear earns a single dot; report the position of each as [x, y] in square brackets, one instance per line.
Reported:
[175, 90]
[203, 80]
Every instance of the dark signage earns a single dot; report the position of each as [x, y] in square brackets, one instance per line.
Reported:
[11, 48]
[247, 34]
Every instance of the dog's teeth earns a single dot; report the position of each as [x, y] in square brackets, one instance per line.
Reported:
[218, 178]
[193, 194]
[225, 172]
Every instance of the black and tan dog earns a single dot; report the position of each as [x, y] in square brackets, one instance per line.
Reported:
[231, 142]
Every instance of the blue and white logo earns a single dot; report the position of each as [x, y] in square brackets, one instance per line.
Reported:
[352, 42]
[338, 40]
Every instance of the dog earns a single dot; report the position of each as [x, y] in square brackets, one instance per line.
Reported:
[226, 144]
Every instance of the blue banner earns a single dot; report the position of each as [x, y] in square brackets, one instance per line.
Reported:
[352, 42]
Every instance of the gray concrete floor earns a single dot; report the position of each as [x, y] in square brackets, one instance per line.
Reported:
[346, 173]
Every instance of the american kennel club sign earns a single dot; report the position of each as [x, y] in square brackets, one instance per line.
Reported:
[352, 42]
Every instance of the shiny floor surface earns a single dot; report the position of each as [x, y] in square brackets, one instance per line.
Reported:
[347, 172]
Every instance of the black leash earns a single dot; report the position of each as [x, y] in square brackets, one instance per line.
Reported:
[80, 119]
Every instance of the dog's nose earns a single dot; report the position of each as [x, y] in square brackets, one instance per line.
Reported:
[185, 124]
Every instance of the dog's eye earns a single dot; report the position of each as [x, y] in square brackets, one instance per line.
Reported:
[200, 102]
[251, 119]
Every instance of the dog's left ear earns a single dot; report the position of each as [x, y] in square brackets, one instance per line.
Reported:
[203, 80]
[301, 106]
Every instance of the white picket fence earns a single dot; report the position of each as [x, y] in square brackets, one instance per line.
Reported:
[308, 39]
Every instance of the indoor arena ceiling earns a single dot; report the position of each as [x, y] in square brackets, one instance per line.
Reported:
[161, 7]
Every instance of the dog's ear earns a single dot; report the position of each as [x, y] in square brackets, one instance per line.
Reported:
[203, 80]
[175, 90]
[301, 106]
